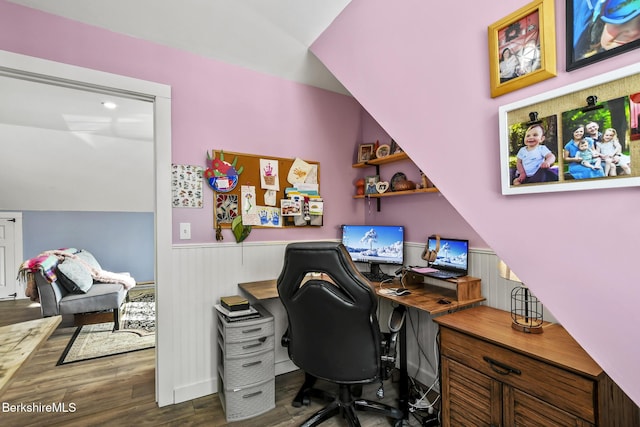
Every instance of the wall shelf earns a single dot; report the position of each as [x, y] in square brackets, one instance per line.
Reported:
[384, 160]
[397, 193]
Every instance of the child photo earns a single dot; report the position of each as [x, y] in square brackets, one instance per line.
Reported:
[533, 151]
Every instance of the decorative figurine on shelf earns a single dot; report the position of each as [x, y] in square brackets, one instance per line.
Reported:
[360, 187]
[424, 182]
[405, 185]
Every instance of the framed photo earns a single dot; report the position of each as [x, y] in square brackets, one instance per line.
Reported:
[370, 184]
[383, 151]
[522, 48]
[365, 153]
[600, 29]
[395, 148]
[570, 139]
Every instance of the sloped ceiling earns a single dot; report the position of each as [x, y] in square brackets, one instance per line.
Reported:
[268, 36]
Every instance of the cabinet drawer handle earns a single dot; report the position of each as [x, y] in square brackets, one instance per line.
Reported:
[258, 344]
[246, 365]
[504, 369]
[248, 331]
[254, 394]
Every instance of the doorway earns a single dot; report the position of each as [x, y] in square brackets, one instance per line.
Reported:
[10, 254]
[24, 68]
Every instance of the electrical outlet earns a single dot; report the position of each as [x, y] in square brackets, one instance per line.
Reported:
[185, 230]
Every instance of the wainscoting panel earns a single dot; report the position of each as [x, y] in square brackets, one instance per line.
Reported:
[205, 272]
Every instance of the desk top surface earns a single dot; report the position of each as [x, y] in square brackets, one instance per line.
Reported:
[554, 346]
[430, 298]
[18, 343]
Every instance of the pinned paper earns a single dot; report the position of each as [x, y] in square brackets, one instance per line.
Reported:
[270, 198]
[299, 171]
[248, 205]
[269, 175]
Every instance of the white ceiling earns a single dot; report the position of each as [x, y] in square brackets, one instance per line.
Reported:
[45, 106]
[270, 36]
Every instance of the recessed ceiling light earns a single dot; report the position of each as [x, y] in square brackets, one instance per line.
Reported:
[109, 105]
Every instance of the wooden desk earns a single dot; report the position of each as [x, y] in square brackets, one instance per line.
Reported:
[262, 290]
[19, 341]
[423, 296]
[430, 298]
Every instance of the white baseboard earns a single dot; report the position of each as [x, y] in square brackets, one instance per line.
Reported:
[193, 391]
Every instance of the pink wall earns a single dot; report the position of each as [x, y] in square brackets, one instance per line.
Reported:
[423, 214]
[214, 105]
[420, 68]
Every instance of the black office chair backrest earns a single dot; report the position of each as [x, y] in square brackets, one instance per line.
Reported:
[333, 330]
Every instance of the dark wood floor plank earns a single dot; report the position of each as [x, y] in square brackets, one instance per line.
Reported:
[120, 390]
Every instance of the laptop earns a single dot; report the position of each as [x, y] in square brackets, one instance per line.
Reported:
[452, 259]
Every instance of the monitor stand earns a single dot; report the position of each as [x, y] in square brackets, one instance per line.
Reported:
[375, 274]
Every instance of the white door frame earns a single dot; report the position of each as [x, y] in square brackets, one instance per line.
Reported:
[18, 250]
[45, 71]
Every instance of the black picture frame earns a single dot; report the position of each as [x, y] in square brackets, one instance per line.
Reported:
[586, 49]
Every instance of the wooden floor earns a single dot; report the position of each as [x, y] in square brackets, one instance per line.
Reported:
[120, 390]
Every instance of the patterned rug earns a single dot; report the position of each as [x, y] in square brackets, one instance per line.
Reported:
[137, 331]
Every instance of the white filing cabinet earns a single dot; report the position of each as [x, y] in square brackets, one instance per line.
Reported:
[246, 365]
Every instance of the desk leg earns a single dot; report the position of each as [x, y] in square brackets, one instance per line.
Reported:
[404, 374]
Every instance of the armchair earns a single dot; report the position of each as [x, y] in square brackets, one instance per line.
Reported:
[71, 281]
[333, 331]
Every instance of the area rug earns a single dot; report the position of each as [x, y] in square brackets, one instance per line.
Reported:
[137, 332]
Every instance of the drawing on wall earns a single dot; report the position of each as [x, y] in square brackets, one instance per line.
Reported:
[226, 209]
[269, 175]
[299, 171]
[186, 186]
[269, 217]
[248, 205]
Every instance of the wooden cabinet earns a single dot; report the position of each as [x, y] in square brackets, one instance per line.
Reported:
[493, 375]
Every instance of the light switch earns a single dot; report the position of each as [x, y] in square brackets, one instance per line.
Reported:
[185, 230]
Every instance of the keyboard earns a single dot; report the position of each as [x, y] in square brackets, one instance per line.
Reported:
[376, 277]
[441, 274]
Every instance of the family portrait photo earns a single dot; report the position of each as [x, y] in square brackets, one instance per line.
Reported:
[596, 140]
[592, 142]
[599, 29]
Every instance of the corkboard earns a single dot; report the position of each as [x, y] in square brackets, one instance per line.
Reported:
[250, 175]
[608, 87]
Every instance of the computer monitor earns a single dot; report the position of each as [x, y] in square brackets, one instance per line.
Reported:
[452, 256]
[374, 244]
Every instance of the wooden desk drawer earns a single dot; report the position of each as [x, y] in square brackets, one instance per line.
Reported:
[561, 388]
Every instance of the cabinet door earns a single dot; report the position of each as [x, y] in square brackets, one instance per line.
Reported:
[522, 409]
[469, 398]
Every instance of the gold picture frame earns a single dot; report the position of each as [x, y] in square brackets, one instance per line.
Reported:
[522, 48]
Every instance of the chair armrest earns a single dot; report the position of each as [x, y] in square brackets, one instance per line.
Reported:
[50, 295]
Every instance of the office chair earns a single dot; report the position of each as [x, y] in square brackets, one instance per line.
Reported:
[333, 331]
